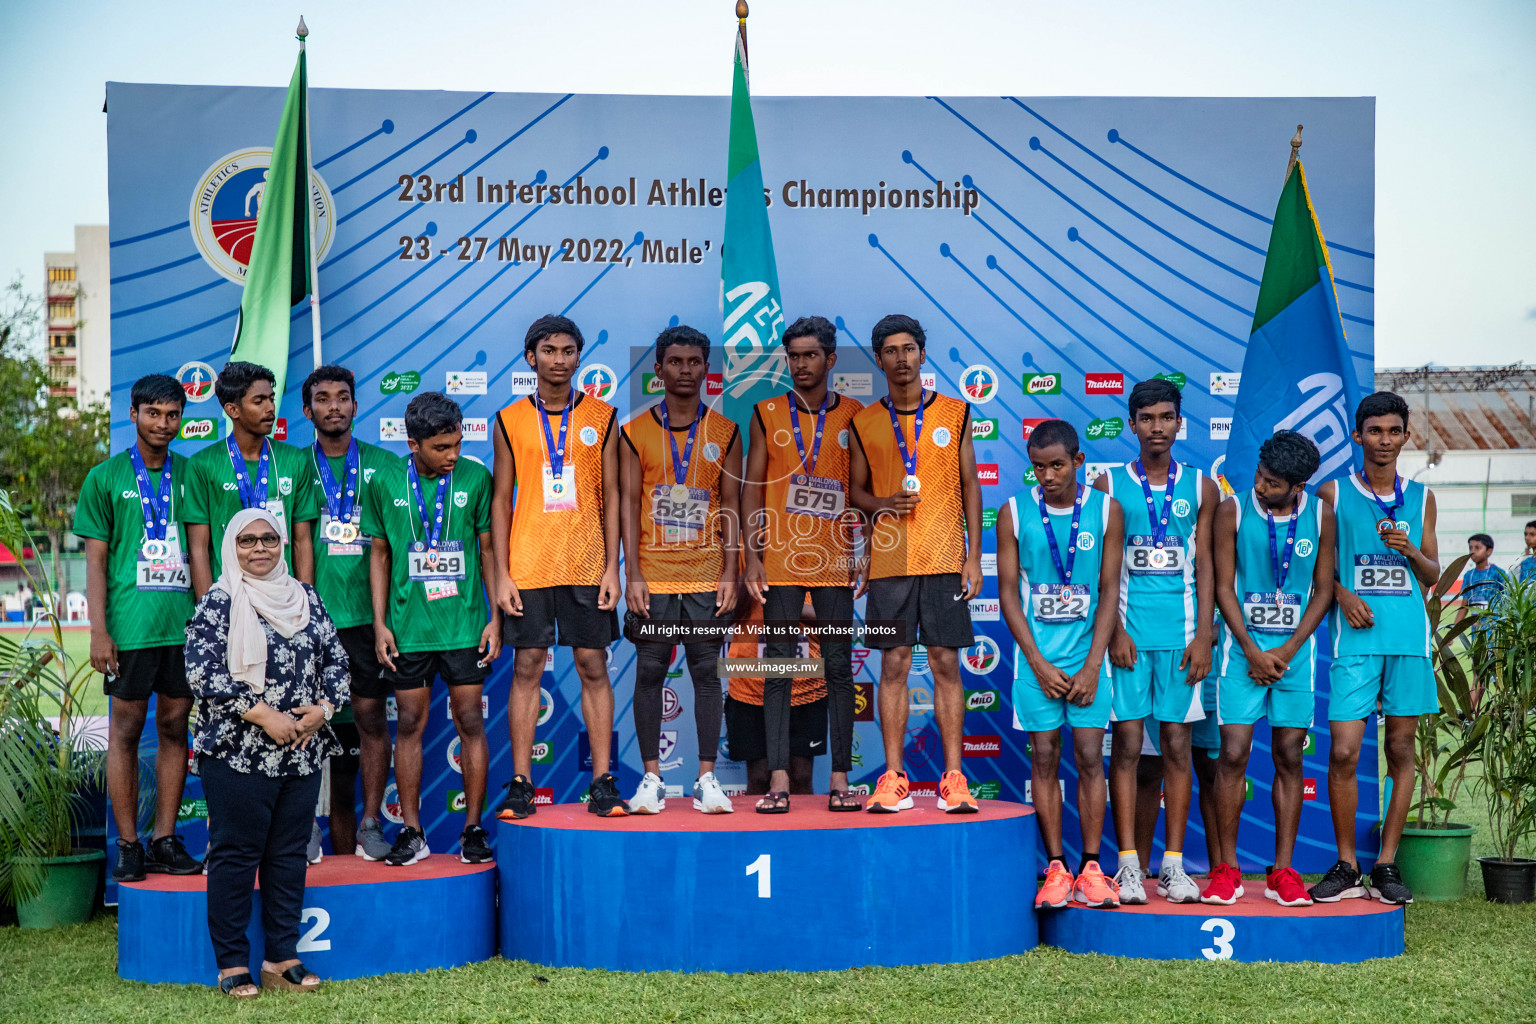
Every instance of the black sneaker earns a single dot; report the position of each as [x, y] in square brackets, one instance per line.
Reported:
[603, 797]
[518, 803]
[473, 848]
[1342, 882]
[410, 847]
[168, 856]
[130, 862]
[1387, 885]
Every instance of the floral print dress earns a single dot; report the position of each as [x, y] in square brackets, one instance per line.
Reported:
[301, 670]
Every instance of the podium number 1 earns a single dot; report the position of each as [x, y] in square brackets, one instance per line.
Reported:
[763, 869]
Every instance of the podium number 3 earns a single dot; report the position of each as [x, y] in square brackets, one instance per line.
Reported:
[310, 941]
[763, 869]
[1221, 938]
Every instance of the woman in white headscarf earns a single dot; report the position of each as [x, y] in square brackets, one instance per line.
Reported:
[268, 670]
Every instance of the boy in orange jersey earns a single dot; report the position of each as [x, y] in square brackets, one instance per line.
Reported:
[913, 471]
[679, 472]
[799, 543]
[555, 531]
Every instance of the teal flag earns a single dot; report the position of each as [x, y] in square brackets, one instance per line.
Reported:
[278, 276]
[749, 279]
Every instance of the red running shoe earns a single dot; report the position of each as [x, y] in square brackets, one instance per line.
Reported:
[1225, 886]
[1283, 885]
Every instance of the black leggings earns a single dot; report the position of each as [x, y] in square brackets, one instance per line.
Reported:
[256, 822]
[831, 604]
[651, 659]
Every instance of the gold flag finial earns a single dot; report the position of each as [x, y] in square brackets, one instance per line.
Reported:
[1295, 151]
[741, 10]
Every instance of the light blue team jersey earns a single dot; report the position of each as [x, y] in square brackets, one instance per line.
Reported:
[1156, 600]
[1062, 624]
[1379, 576]
[1271, 623]
[1526, 570]
[1479, 587]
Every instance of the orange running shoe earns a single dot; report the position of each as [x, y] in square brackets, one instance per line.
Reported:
[955, 794]
[1094, 889]
[891, 794]
[1056, 893]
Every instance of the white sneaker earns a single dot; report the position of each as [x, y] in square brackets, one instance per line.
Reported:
[1176, 886]
[312, 852]
[650, 796]
[1128, 879]
[709, 797]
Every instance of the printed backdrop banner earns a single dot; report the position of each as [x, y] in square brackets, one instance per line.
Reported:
[1056, 250]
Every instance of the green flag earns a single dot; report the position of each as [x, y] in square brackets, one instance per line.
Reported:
[749, 279]
[278, 276]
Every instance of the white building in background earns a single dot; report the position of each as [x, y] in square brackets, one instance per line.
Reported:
[79, 317]
[1474, 442]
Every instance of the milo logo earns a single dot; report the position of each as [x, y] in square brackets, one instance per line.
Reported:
[400, 383]
[1106, 429]
[982, 700]
[1042, 384]
[984, 430]
[198, 430]
[543, 753]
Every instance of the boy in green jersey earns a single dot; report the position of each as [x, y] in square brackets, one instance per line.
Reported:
[430, 520]
[248, 470]
[344, 471]
[130, 515]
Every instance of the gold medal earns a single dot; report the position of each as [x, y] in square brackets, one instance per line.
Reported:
[679, 492]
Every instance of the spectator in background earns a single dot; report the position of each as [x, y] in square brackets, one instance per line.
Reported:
[1526, 570]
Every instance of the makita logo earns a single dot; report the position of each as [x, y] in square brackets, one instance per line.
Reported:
[1104, 383]
[1031, 424]
[1309, 789]
[986, 472]
[543, 797]
[981, 746]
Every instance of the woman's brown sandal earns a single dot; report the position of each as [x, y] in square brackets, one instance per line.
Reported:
[291, 979]
[229, 983]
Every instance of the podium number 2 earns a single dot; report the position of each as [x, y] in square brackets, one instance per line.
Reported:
[1221, 939]
[310, 941]
[763, 869]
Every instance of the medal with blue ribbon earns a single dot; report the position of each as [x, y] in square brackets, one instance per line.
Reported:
[340, 501]
[1388, 512]
[156, 508]
[1281, 566]
[1158, 558]
[909, 483]
[252, 495]
[821, 423]
[679, 490]
[431, 522]
[554, 450]
[1063, 569]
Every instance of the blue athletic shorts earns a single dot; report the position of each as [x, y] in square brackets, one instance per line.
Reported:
[1404, 684]
[1205, 735]
[1033, 711]
[1241, 701]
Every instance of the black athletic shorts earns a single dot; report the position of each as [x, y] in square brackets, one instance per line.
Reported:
[746, 736]
[417, 670]
[932, 609]
[349, 759]
[161, 670]
[571, 612]
[363, 657]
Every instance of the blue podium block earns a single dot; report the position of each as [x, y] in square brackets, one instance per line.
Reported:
[360, 919]
[1251, 930]
[806, 891]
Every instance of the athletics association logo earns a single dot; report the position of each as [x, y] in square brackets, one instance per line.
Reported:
[391, 806]
[455, 760]
[981, 658]
[546, 706]
[1181, 507]
[225, 205]
[671, 703]
[588, 436]
[941, 437]
[1085, 541]
[597, 381]
[196, 379]
[1303, 548]
[979, 382]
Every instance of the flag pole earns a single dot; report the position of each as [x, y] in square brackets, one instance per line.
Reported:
[1295, 152]
[741, 20]
[309, 194]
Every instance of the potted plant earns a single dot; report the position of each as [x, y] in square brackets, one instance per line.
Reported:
[1508, 745]
[1435, 852]
[43, 763]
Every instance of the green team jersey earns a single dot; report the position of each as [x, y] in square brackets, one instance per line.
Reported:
[109, 510]
[341, 570]
[441, 607]
[213, 497]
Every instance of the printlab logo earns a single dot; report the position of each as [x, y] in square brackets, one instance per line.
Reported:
[979, 382]
[402, 383]
[929, 379]
[477, 428]
[983, 656]
[228, 198]
[525, 383]
[1042, 383]
[986, 609]
[464, 382]
[1104, 383]
[597, 381]
[1225, 383]
[984, 430]
[1105, 429]
[198, 430]
[196, 379]
[1221, 428]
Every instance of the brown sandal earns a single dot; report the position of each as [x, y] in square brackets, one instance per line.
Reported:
[291, 979]
[774, 803]
[843, 800]
[229, 983]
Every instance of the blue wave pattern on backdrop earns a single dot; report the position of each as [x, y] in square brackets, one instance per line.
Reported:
[1071, 245]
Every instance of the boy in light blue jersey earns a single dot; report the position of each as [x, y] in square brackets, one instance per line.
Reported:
[1161, 649]
[1482, 582]
[1526, 569]
[1274, 555]
[1387, 558]
[1058, 570]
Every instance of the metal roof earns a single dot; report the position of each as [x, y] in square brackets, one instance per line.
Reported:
[1455, 408]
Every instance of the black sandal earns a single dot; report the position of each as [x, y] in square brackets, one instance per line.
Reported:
[228, 984]
[843, 800]
[291, 979]
[774, 803]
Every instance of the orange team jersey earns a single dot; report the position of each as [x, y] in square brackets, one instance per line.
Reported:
[749, 690]
[808, 537]
[680, 544]
[557, 526]
[930, 540]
